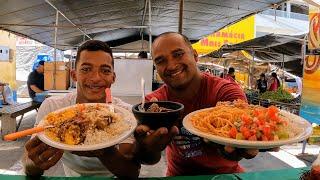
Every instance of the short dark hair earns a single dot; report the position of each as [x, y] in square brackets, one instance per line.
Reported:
[185, 38]
[262, 75]
[143, 54]
[40, 63]
[274, 74]
[94, 45]
[231, 70]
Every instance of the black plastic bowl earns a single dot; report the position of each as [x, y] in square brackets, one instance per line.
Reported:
[156, 120]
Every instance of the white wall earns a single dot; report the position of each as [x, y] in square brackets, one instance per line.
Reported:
[129, 73]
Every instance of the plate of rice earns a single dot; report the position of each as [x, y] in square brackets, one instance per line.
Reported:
[87, 127]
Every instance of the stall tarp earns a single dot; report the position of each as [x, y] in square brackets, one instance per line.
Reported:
[236, 59]
[116, 19]
[269, 48]
[135, 46]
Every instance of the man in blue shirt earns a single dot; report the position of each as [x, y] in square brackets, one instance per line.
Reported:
[36, 81]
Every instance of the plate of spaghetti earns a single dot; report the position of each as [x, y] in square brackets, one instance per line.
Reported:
[85, 127]
[241, 125]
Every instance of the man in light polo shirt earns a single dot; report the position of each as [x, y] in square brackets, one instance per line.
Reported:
[94, 73]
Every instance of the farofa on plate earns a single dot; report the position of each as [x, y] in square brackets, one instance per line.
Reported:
[84, 125]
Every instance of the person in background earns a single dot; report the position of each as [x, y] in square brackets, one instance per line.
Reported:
[187, 154]
[262, 83]
[274, 82]
[222, 74]
[230, 76]
[143, 55]
[299, 84]
[6, 94]
[35, 81]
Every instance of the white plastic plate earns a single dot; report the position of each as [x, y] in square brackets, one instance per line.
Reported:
[305, 130]
[127, 116]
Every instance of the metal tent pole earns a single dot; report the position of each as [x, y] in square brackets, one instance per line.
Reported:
[304, 51]
[253, 54]
[142, 45]
[142, 22]
[47, 1]
[282, 70]
[150, 34]
[55, 50]
[275, 6]
[180, 16]
[74, 26]
[224, 62]
[55, 36]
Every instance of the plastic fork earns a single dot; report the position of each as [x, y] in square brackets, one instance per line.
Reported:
[143, 93]
[109, 99]
[20, 134]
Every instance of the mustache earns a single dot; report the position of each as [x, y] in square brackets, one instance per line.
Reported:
[168, 73]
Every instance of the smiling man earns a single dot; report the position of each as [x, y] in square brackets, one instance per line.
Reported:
[94, 73]
[188, 154]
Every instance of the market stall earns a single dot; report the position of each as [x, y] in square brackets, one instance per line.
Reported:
[283, 51]
[278, 53]
[239, 61]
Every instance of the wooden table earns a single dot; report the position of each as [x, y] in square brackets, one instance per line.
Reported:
[8, 114]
